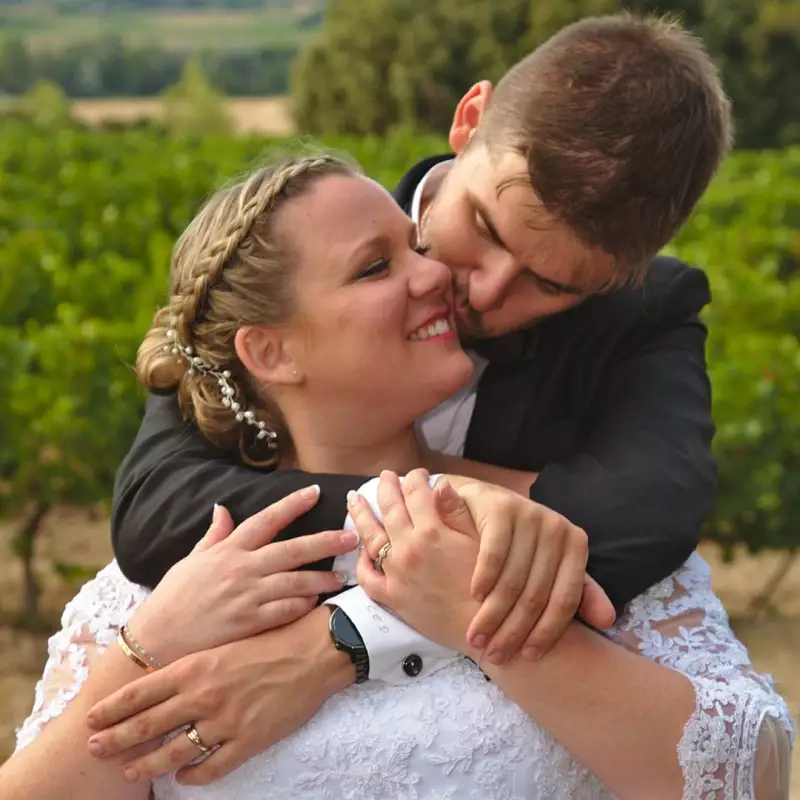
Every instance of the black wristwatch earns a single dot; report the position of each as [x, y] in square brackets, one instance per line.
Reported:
[345, 637]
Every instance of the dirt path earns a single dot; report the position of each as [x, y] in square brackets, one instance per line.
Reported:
[69, 536]
[268, 115]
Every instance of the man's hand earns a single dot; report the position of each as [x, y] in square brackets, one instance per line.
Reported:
[243, 696]
[530, 575]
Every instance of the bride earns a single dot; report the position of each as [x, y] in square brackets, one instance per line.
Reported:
[259, 338]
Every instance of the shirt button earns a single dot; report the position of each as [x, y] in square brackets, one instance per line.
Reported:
[412, 665]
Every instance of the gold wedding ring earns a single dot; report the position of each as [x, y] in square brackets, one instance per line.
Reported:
[382, 553]
[194, 738]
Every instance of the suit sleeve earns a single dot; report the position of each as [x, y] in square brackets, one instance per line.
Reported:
[645, 480]
[166, 488]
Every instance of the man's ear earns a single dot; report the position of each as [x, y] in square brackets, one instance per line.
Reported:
[267, 355]
[469, 112]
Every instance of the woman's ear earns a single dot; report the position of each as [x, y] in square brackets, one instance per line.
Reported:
[266, 354]
[469, 112]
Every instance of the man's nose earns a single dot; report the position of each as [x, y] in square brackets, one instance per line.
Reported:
[489, 283]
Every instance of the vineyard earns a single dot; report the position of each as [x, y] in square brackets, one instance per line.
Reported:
[87, 221]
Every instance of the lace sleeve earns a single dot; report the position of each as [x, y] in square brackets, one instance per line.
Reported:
[737, 744]
[88, 625]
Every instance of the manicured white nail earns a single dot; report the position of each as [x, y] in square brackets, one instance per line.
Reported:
[351, 498]
[215, 513]
[312, 490]
[341, 577]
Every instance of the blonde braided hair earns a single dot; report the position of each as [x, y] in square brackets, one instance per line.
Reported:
[231, 267]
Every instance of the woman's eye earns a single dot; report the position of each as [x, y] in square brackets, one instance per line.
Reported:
[422, 250]
[376, 268]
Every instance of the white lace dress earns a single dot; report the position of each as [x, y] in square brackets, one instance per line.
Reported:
[454, 735]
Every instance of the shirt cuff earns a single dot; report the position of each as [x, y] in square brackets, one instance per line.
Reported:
[397, 653]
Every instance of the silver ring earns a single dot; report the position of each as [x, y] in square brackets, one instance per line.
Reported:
[382, 553]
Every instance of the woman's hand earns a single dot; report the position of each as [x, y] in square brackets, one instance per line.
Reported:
[236, 585]
[427, 573]
[530, 575]
[530, 570]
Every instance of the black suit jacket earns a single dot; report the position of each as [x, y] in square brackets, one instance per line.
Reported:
[609, 402]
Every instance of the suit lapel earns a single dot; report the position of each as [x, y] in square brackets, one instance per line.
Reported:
[504, 398]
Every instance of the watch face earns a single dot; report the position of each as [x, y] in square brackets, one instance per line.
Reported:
[346, 632]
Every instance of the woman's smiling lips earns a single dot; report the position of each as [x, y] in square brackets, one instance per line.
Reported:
[437, 328]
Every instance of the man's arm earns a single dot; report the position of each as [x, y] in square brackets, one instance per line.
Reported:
[645, 480]
[166, 488]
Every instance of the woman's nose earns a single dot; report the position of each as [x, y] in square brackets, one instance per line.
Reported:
[428, 275]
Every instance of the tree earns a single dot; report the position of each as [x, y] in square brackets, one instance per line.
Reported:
[47, 105]
[378, 64]
[193, 106]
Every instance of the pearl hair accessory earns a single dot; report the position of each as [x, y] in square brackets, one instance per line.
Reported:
[226, 388]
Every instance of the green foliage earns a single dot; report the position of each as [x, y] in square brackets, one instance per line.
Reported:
[46, 105]
[87, 222]
[193, 106]
[746, 234]
[109, 65]
[381, 63]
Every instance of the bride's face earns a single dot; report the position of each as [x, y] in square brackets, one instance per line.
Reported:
[374, 327]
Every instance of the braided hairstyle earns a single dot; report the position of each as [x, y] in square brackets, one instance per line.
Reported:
[231, 268]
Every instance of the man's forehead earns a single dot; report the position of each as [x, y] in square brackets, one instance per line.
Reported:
[543, 244]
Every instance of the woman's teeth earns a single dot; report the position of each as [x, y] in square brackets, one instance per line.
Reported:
[434, 329]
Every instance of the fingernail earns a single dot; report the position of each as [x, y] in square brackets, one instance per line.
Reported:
[95, 748]
[351, 498]
[341, 577]
[130, 774]
[311, 491]
[480, 596]
[450, 499]
[350, 538]
[479, 642]
[215, 513]
[530, 653]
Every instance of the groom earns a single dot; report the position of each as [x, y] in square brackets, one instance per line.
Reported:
[591, 394]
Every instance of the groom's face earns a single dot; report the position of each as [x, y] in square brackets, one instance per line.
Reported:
[513, 264]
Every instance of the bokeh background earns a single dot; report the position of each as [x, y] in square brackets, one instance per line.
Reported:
[120, 116]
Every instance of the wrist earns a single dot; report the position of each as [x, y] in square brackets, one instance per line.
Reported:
[333, 669]
[148, 634]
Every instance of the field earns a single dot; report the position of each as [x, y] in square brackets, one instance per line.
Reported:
[773, 640]
[268, 115]
[44, 28]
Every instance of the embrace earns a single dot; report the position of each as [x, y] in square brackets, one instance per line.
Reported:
[522, 614]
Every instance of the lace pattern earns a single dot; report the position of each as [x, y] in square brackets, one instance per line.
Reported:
[453, 735]
[90, 620]
[737, 743]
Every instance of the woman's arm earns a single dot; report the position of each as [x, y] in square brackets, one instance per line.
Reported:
[236, 584]
[690, 719]
[52, 759]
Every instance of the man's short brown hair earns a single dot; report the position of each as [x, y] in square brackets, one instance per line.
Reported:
[623, 121]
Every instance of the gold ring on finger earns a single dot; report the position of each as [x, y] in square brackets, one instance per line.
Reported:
[382, 553]
[194, 738]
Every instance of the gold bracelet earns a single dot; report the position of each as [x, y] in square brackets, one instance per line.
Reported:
[151, 660]
[123, 645]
